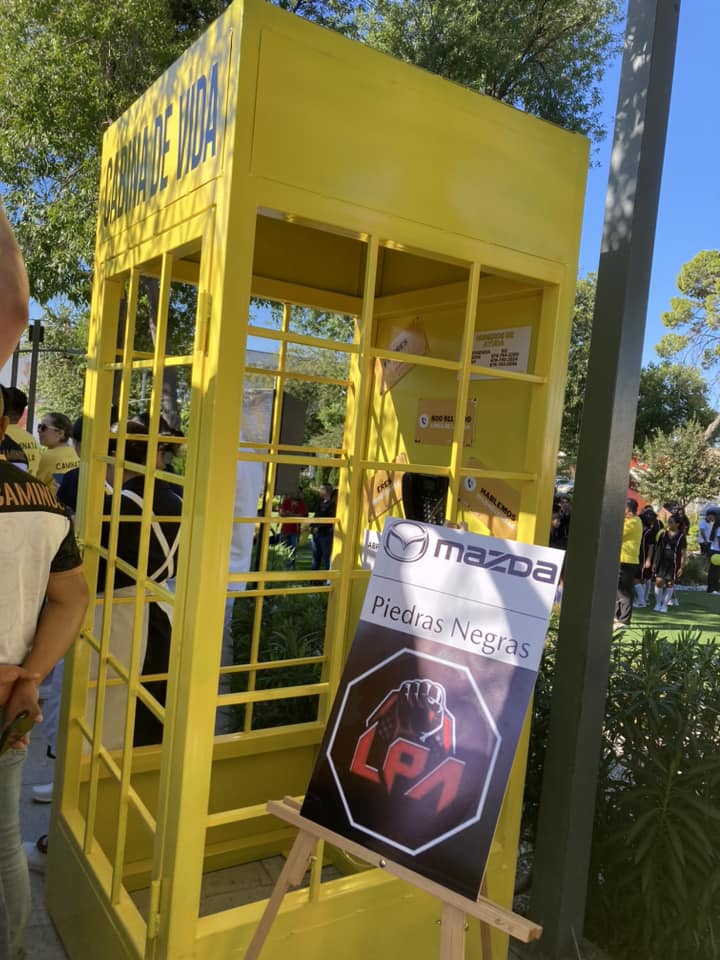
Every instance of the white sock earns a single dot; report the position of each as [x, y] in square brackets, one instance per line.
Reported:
[639, 593]
[661, 598]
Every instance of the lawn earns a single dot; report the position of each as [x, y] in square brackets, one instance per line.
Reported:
[697, 611]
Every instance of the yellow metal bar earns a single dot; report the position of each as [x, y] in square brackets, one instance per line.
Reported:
[265, 530]
[285, 335]
[498, 374]
[147, 364]
[283, 375]
[129, 335]
[463, 391]
[437, 363]
[276, 693]
[356, 427]
[266, 665]
[143, 553]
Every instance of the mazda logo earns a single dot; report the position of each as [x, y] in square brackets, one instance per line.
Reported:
[406, 541]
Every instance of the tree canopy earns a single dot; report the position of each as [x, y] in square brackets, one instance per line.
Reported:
[68, 68]
[671, 395]
[577, 366]
[544, 56]
[694, 317]
[681, 467]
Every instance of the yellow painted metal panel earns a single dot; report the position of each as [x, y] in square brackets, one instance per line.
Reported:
[493, 173]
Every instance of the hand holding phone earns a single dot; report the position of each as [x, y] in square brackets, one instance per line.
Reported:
[17, 728]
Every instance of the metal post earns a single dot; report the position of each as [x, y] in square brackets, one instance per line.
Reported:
[35, 338]
[570, 778]
[14, 367]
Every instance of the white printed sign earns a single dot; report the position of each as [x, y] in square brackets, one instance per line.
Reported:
[502, 349]
[422, 735]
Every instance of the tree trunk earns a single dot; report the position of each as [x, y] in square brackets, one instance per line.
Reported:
[168, 399]
[712, 429]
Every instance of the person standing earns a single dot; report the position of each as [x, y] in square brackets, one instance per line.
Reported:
[293, 506]
[704, 528]
[322, 533]
[645, 558]
[670, 551]
[713, 580]
[14, 290]
[58, 456]
[629, 551]
[15, 406]
[43, 596]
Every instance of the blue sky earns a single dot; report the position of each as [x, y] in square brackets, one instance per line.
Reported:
[689, 212]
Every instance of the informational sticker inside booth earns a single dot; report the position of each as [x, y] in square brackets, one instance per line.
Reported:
[421, 738]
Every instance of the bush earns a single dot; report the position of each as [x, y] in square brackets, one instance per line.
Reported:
[655, 876]
[292, 627]
[694, 571]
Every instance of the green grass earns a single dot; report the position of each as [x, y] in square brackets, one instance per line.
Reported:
[697, 611]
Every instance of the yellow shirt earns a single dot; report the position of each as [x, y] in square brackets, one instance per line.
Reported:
[55, 463]
[29, 445]
[632, 535]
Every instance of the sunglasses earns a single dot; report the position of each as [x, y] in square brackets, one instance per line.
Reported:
[45, 426]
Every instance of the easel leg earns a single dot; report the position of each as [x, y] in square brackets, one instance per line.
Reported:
[452, 933]
[291, 875]
[485, 931]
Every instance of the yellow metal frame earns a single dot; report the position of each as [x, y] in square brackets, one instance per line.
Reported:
[316, 173]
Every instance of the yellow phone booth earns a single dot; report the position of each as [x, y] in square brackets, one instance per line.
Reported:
[338, 269]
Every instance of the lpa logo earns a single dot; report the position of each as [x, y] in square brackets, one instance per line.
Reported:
[412, 750]
[409, 744]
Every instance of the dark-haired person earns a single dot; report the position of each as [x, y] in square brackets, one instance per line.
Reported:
[14, 290]
[15, 406]
[647, 548]
[58, 455]
[67, 491]
[322, 533]
[713, 580]
[704, 528]
[43, 598]
[670, 551]
[629, 551]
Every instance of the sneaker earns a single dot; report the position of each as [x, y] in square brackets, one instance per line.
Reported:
[619, 625]
[36, 853]
[43, 792]
[662, 609]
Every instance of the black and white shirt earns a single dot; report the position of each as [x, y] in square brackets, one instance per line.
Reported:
[36, 539]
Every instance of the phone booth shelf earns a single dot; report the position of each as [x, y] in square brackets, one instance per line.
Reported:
[303, 225]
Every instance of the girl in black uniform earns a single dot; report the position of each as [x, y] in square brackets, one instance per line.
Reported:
[669, 561]
[645, 557]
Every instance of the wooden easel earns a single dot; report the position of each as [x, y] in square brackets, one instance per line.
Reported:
[455, 908]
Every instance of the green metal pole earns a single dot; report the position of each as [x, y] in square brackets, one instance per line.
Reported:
[562, 853]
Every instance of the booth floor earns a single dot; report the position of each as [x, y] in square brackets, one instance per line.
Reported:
[222, 889]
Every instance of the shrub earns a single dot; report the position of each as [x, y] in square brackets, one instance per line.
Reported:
[292, 627]
[655, 876]
[694, 571]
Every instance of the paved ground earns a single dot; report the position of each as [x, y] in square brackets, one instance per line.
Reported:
[41, 941]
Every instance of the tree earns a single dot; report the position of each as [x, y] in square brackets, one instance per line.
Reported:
[671, 395]
[62, 363]
[694, 317]
[545, 56]
[577, 365]
[68, 68]
[681, 467]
